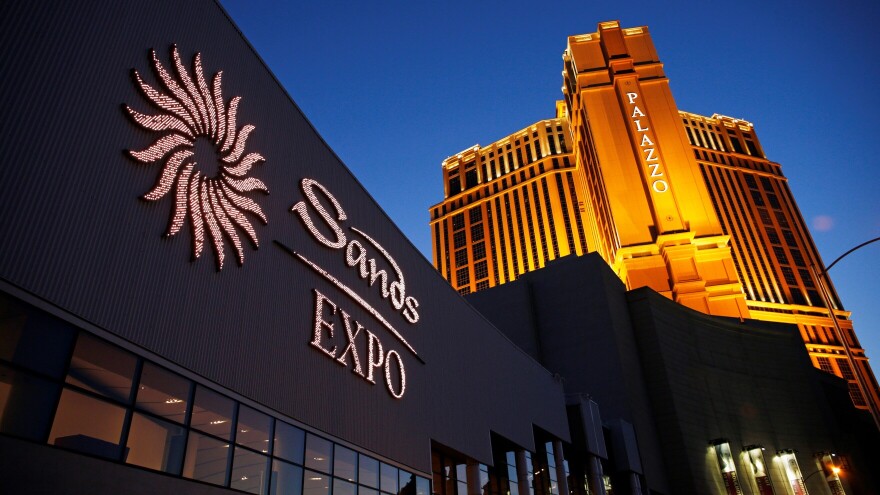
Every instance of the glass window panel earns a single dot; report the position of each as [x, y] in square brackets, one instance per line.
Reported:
[343, 487]
[345, 463]
[389, 478]
[155, 444]
[26, 404]
[212, 413]
[254, 429]
[286, 478]
[206, 459]
[87, 424]
[423, 486]
[249, 471]
[34, 339]
[318, 453]
[102, 368]
[368, 471]
[406, 483]
[316, 483]
[289, 442]
[362, 490]
[163, 393]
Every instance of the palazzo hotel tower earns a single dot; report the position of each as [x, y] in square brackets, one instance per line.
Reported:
[683, 203]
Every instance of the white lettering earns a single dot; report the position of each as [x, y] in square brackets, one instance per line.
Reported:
[355, 252]
[300, 208]
[320, 323]
[400, 372]
[652, 160]
[350, 348]
[375, 358]
[410, 312]
[660, 186]
[391, 362]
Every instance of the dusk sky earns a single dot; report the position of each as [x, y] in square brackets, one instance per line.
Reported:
[396, 87]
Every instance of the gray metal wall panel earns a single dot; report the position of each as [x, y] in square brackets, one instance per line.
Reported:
[74, 232]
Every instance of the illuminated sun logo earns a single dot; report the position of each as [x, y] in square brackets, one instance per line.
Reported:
[194, 116]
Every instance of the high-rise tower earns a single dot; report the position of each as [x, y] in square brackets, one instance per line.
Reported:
[685, 204]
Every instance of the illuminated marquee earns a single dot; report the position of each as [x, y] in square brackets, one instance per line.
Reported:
[190, 111]
[367, 353]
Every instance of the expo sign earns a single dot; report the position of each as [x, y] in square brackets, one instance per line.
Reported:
[334, 332]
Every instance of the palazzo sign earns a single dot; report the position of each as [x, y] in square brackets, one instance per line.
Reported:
[335, 333]
[650, 159]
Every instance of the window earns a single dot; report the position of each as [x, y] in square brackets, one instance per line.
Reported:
[459, 239]
[156, 444]
[458, 221]
[26, 404]
[481, 270]
[206, 459]
[319, 453]
[454, 186]
[476, 214]
[476, 232]
[845, 369]
[163, 393]
[461, 258]
[344, 463]
[462, 276]
[479, 250]
[212, 413]
[825, 365]
[165, 422]
[101, 368]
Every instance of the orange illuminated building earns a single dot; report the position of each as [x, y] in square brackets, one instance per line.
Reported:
[682, 203]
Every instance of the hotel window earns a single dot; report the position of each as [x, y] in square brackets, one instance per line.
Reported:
[772, 235]
[477, 232]
[479, 249]
[462, 276]
[459, 239]
[757, 198]
[845, 369]
[458, 221]
[475, 214]
[789, 238]
[461, 258]
[454, 186]
[856, 394]
[470, 178]
[789, 276]
[825, 365]
[780, 255]
[481, 270]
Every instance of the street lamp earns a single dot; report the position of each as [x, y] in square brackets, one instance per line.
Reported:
[826, 298]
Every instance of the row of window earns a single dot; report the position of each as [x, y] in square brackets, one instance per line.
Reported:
[68, 388]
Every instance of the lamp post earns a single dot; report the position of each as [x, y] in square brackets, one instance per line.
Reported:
[826, 298]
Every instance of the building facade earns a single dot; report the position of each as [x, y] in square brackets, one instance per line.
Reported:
[685, 204]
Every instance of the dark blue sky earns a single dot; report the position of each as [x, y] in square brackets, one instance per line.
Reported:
[396, 87]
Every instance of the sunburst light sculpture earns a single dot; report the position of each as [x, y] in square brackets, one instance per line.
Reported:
[191, 110]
